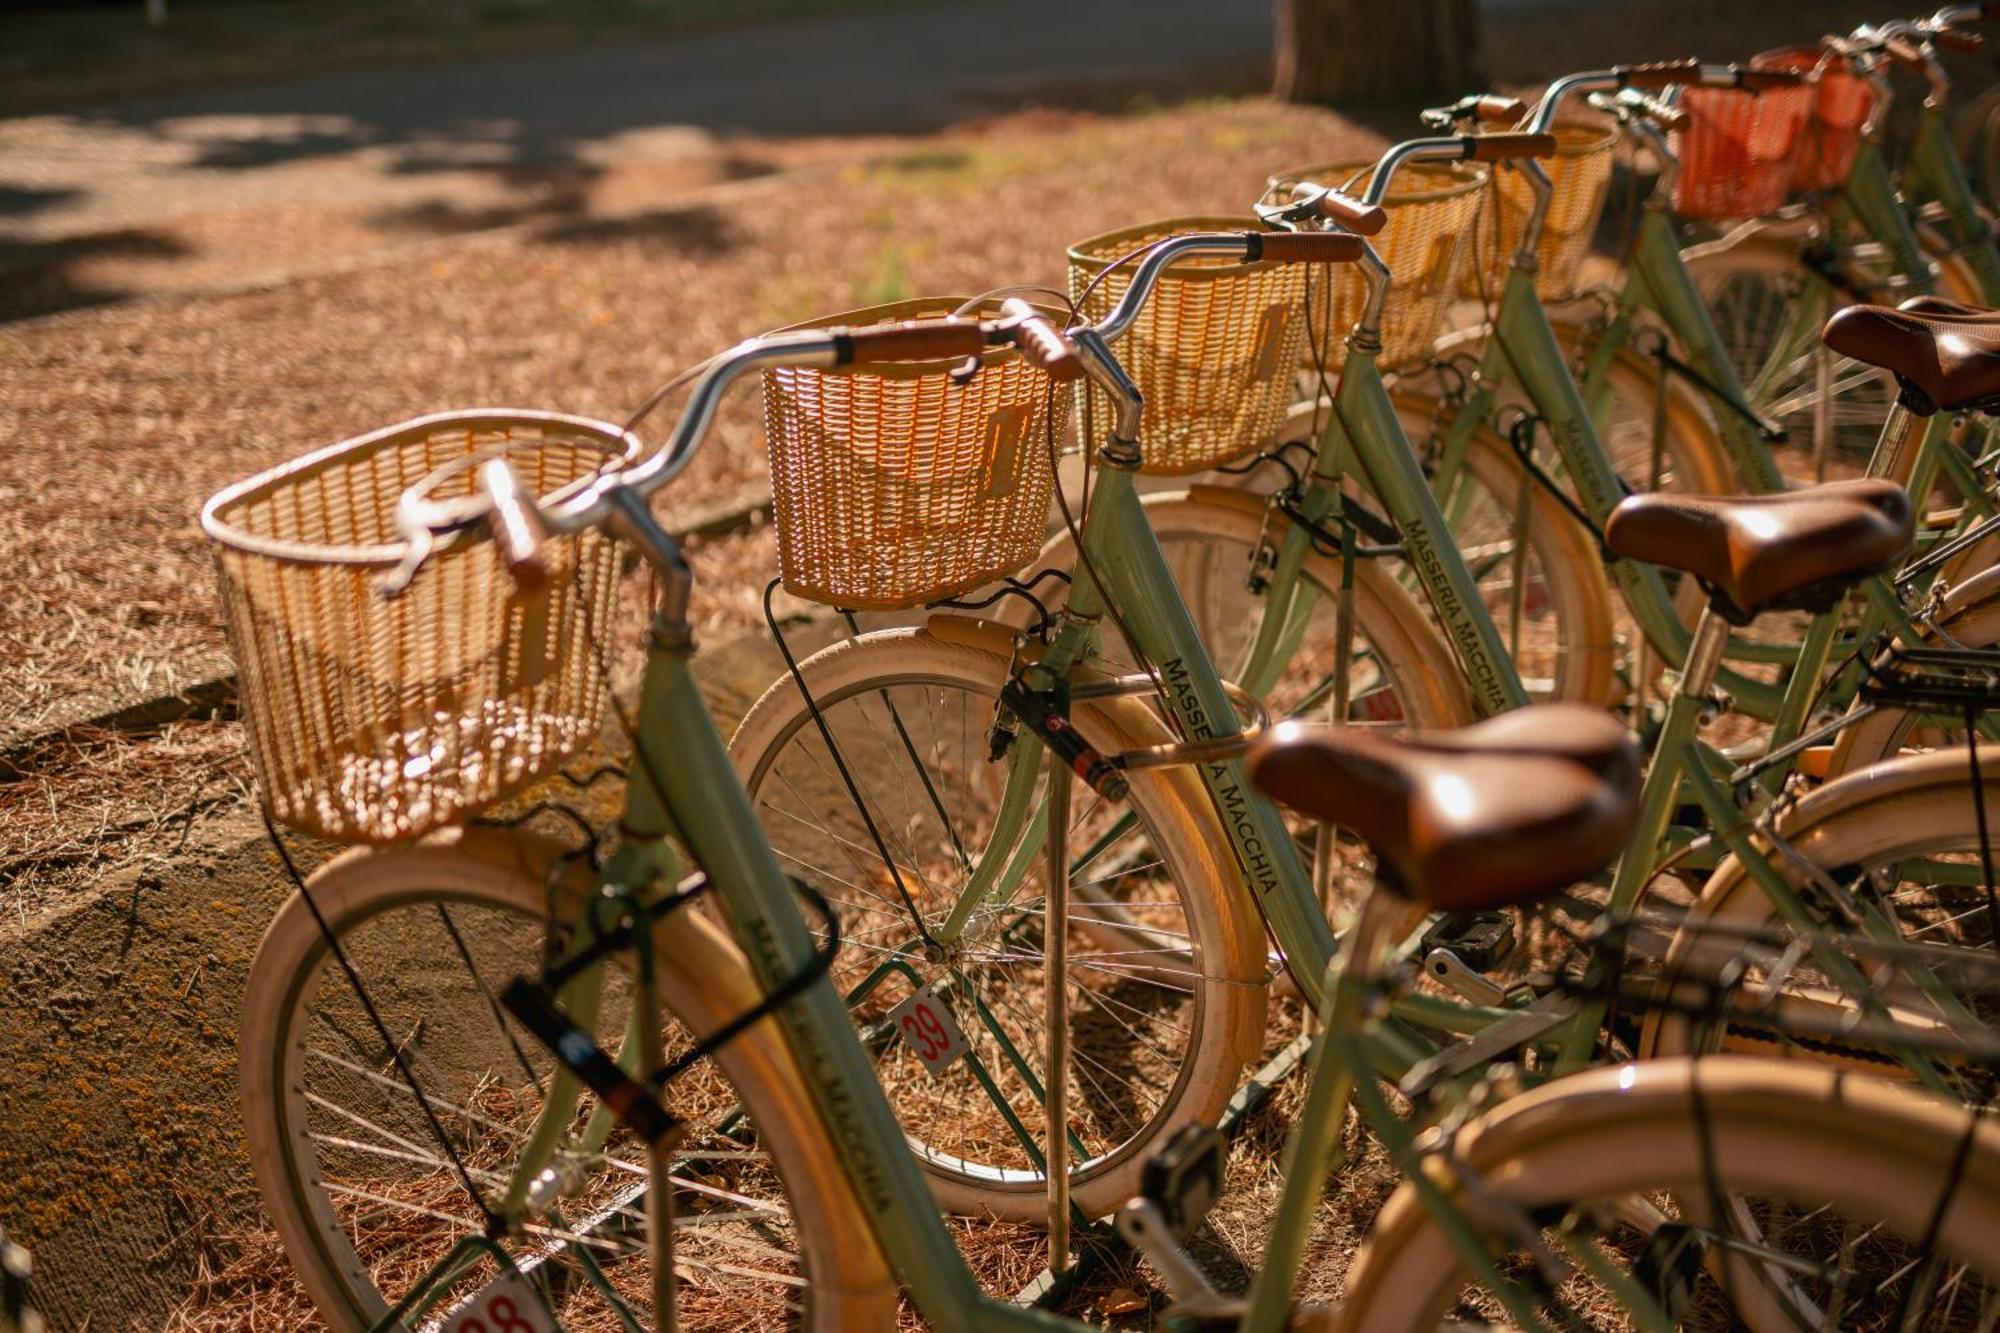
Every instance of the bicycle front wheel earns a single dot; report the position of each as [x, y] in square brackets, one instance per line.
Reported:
[366, 1192]
[1866, 1210]
[878, 784]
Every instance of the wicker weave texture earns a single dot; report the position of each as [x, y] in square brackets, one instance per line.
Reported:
[1832, 135]
[1739, 150]
[1580, 173]
[898, 486]
[1213, 351]
[1424, 243]
[375, 719]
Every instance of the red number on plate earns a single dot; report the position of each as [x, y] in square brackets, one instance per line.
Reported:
[925, 1033]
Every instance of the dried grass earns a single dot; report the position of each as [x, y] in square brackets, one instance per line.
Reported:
[116, 423]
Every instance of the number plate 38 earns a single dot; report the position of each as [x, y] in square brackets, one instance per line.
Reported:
[926, 1025]
[508, 1304]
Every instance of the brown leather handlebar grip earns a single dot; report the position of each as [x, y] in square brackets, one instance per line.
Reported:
[1763, 80]
[1959, 40]
[1303, 247]
[1509, 147]
[1359, 218]
[517, 528]
[1494, 109]
[914, 340]
[1658, 73]
[1041, 341]
[1903, 53]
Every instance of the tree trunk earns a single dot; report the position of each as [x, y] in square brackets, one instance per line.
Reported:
[1331, 51]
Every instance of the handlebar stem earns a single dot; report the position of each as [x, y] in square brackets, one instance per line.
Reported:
[1367, 333]
[631, 520]
[1103, 370]
[1525, 258]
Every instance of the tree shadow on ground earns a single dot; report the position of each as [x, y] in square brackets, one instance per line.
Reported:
[698, 231]
[43, 278]
[18, 200]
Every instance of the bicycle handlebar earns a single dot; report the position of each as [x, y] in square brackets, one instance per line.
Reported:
[1904, 52]
[517, 526]
[1958, 39]
[1631, 102]
[1303, 247]
[912, 340]
[1496, 109]
[1658, 74]
[1041, 342]
[1511, 147]
[521, 528]
[1360, 218]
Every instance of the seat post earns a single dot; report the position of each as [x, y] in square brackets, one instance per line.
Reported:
[1897, 447]
[1704, 657]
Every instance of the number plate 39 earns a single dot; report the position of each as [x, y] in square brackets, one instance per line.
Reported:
[507, 1304]
[926, 1025]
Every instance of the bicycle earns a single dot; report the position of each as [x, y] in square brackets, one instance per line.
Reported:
[1017, 684]
[843, 1162]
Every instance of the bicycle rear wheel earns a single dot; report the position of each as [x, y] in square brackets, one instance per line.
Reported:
[366, 1200]
[1606, 1170]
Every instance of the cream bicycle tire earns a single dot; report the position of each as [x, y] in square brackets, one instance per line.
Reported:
[1225, 929]
[704, 982]
[1610, 1134]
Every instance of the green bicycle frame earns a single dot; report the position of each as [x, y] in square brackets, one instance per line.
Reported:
[1932, 171]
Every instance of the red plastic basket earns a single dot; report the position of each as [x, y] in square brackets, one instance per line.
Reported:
[1833, 134]
[1739, 150]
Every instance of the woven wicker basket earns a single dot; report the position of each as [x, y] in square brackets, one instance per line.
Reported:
[895, 486]
[1841, 106]
[1581, 173]
[1739, 150]
[374, 719]
[1424, 244]
[1213, 351]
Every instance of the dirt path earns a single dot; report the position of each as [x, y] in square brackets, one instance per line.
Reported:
[205, 190]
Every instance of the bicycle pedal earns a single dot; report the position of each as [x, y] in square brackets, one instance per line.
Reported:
[1480, 940]
[1184, 1178]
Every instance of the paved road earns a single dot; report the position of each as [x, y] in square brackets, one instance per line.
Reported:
[393, 136]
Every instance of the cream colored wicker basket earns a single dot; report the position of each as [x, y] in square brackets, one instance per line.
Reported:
[898, 485]
[1424, 243]
[1213, 351]
[373, 718]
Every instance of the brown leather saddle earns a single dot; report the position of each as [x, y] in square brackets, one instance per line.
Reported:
[1944, 354]
[1500, 812]
[1794, 550]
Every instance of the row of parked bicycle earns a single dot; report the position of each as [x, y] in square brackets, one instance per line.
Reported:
[1506, 722]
